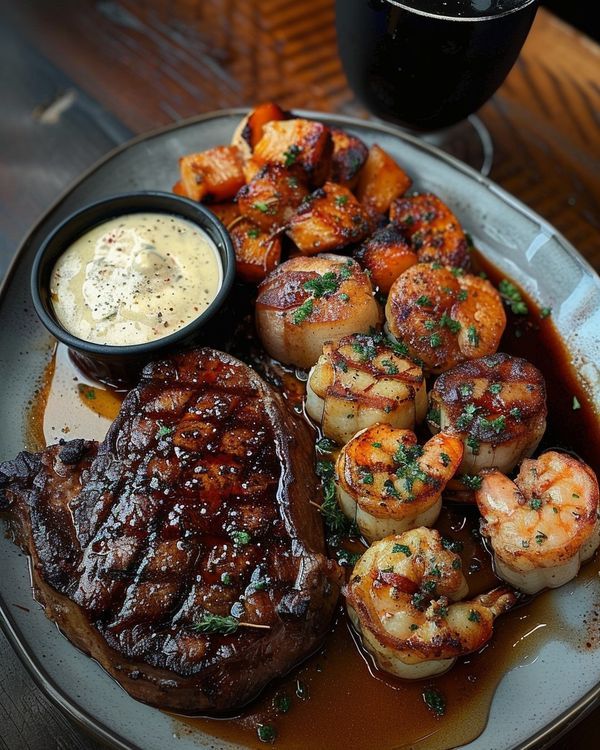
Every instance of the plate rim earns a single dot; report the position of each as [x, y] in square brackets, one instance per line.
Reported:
[552, 730]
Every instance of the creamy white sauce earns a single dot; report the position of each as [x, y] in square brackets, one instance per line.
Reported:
[135, 278]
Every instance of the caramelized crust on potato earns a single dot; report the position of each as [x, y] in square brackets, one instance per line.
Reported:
[381, 181]
[386, 254]
[305, 302]
[256, 252]
[271, 197]
[212, 176]
[349, 155]
[304, 146]
[329, 219]
[225, 212]
[434, 231]
[252, 130]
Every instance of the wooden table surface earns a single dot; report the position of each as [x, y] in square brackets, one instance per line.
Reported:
[78, 77]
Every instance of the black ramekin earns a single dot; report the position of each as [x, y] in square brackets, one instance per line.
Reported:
[120, 365]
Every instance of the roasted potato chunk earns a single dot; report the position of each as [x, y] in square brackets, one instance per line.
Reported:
[381, 181]
[434, 231]
[271, 198]
[212, 176]
[226, 212]
[329, 219]
[256, 252]
[250, 130]
[303, 146]
[386, 254]
[349, 155]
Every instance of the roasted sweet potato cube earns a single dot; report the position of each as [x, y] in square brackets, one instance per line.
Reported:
[226, 212]
[349, 155]
[252, 131]
[256, 252]
[214, 175]
[271, 198]
[179, 189]
[433, 230]
[329, 219]
[381, 181]
[303, 146]
[386, 254]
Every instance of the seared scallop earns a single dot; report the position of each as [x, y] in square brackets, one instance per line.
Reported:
[543, 525]
[404, 599]
[497, 405]
[387, 483]
[305, 302]
[360, 381]
[444, 316]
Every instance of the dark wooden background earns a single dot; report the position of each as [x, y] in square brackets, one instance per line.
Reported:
[78, 77]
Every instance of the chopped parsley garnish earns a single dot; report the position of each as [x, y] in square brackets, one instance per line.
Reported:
[367, 478]
[472, 481]
[513, 298]
[226, 579]
[365, 348]
[292, 182]
[325, 445]
[540, 537]
[451, 544]
[473, 444]
[253, 233]
[535, 503]
[322, 285]
[341, 200]
[445, 459]
[376, 445]
[266, 732]
[434, 701]
[347, 558]
[303, 312]
[435, 340]
[390, 489]
[396, 548]
[261, 206]
[414, 626]
[389, 367]
[282, 703]
[434, 416]
[466, 390]
[462, 295]
[456, 272]
[452, 325]
[576, 404]
[497, 425]
[516, 413]
[473, 336]
[474, 616]
[495, 388]
[545, 312]
[344, 297]
[467, 416]
[291, 155]
[424, 301]
[163, 431]
[240, 538]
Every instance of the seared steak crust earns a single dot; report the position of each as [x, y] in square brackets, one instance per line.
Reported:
[196, 502]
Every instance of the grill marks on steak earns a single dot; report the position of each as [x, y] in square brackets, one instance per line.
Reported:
[196, 502]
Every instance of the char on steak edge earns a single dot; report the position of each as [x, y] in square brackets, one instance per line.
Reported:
[197, 501]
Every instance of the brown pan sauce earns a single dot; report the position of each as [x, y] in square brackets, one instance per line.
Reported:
[338, 698]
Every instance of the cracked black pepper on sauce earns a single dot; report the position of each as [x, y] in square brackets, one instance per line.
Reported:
[135, 278]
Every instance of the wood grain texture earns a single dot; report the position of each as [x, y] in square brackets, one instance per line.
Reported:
[77, 76]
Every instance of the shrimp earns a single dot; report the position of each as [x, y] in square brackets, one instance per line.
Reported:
[543, 525]
[363, 380]
[497, 404]
[444, 316]
[388, 483]
[404, 599]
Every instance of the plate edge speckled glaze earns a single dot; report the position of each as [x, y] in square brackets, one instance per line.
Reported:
[540, 739]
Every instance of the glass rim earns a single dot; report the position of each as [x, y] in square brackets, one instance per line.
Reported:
[428, 14]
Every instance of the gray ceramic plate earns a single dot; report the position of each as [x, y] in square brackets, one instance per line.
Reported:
[536, 699]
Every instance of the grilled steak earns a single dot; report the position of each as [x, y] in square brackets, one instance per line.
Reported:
[196, 503]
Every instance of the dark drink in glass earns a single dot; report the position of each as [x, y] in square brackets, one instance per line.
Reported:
[427, 64]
